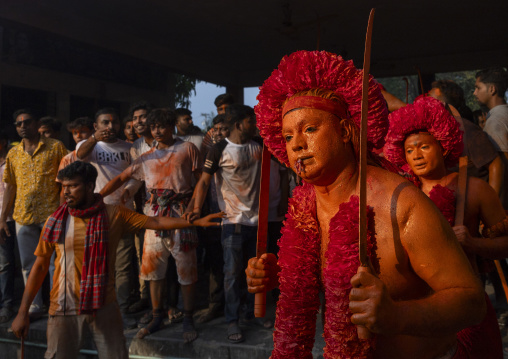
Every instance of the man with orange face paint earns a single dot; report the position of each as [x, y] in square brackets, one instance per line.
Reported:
[422, 289]
[168, 170]
[425, 140]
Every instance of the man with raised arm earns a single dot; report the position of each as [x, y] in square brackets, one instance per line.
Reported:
[110, 156]
[422, 289]
[84, 233]
[168, 170]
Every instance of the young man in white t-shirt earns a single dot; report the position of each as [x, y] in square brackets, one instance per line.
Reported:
[110, 156]
[237, 162]
[168, 170]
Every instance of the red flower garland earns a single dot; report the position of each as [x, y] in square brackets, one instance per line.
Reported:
[444, 199]
[299, 283]
[342, 263]
[299, 259]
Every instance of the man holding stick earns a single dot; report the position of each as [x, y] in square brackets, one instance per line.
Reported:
[415, 300]
[425, 140]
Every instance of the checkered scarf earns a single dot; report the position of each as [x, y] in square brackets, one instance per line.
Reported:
[94, 271]
[167, 203]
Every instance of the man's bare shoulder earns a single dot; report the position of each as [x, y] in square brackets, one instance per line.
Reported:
[385, 184]
[392, 195]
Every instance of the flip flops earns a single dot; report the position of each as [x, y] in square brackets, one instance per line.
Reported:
[234, 329]
[175, 316]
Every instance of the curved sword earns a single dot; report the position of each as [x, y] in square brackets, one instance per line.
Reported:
[363, 332]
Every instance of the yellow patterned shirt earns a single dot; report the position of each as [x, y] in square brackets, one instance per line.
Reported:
[37, 193]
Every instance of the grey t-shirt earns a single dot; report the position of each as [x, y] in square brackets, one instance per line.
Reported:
[497, 129]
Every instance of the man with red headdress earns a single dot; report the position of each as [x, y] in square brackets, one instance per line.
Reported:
[422, 290]
[425, 140]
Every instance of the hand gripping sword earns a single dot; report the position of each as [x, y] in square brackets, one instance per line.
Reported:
[264, 196]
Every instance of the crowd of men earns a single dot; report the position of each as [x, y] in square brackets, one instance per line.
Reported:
[166, 167]
[154, 171]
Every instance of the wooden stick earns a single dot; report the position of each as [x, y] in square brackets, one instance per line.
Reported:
[502, 277]
[461, 192]
[264, 197]
[22, 348]
[420, 78]
[363, 332]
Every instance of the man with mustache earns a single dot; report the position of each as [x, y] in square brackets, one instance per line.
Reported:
[83, 233]
[30, 171]
[168, 170]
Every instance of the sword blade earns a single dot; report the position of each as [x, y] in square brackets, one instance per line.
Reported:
[362, 245]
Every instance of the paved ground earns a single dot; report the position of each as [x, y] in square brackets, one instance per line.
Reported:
[167, 343]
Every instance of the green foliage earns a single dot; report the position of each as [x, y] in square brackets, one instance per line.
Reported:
[184, 87]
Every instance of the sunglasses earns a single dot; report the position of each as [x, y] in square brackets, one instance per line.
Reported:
[24, 122]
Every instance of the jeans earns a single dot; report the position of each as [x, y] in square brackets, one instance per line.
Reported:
[28, 238]
[7, 268]
[215, 263]
[238, 244]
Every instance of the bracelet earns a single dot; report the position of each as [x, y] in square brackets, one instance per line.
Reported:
[93, 135]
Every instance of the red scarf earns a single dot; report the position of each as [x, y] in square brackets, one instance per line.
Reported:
[94, 271]
[299, 259]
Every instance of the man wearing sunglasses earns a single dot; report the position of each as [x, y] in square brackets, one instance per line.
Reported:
[30, 171]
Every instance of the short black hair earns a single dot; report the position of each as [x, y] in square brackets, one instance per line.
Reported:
[496, 76]
[140, 105]
[106, 111]
[126, 119]
[236, 113]
[80, 122]
[224, 99]
[161, 116]
[454, 95]
[183, 112]
[476, 116]
[218, 119]
[86, 171]
[51, 122]
[21, 111]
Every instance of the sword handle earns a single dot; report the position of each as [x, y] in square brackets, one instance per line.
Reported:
[260, 305]
[363, 332]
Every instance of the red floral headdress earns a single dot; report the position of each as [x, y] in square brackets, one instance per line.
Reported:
[427, 114]
[306, 70]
